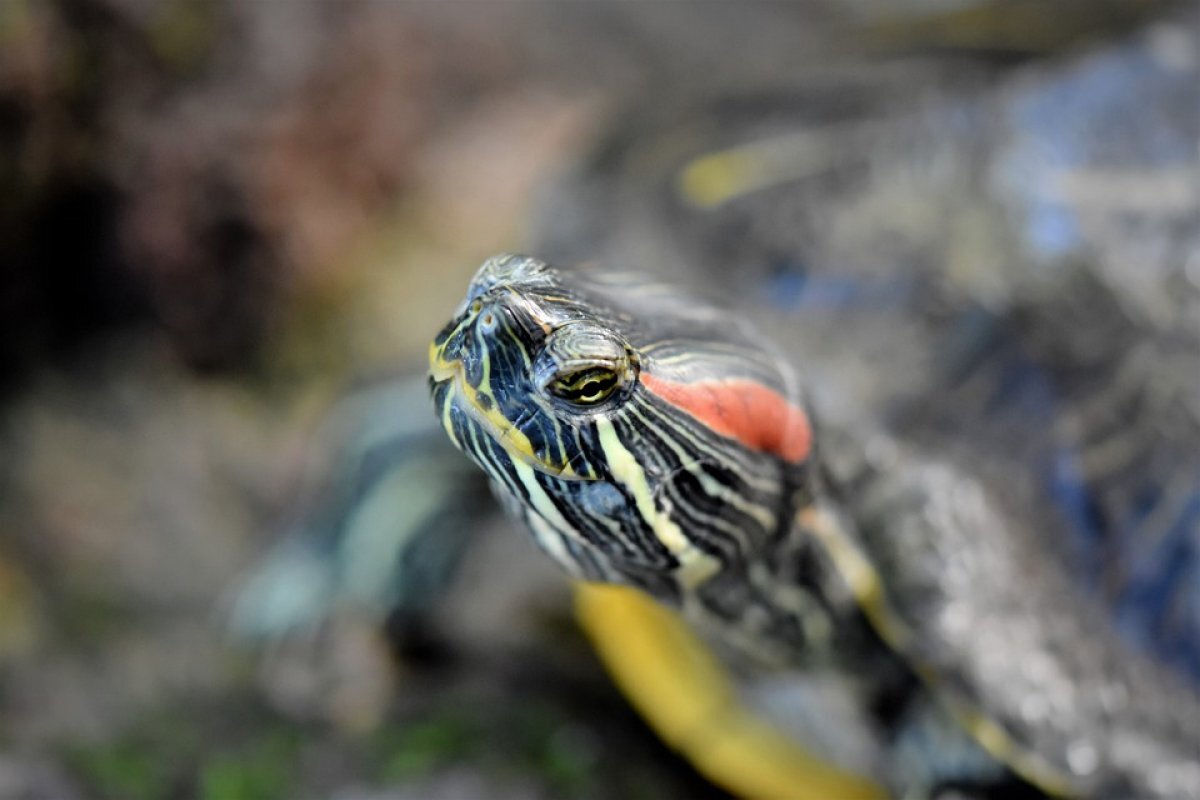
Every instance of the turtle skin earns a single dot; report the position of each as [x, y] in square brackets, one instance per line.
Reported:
[1009, 403]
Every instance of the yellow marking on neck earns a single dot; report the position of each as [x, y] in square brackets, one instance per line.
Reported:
[508, 435]
[538, 498]
[695, 566]
[673, 680]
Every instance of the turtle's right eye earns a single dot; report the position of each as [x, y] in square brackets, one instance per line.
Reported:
[585, 387]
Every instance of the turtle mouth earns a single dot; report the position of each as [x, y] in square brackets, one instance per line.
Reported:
[452, 391]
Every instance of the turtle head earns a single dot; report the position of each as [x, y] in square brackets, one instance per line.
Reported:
[645, 436]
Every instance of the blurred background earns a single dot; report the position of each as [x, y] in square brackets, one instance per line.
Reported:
[218, 216]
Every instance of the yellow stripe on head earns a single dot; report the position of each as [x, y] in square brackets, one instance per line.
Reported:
[515, 443]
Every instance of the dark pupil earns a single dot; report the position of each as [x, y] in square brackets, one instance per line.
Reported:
[586, 386]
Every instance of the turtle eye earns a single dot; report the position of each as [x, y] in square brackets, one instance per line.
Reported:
[585, 387]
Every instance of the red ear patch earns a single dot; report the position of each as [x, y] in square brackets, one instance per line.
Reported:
[758, 417]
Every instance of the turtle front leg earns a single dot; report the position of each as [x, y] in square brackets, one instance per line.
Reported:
[383, 526]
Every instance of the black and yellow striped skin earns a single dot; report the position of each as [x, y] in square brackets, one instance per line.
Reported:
[632, 489]
[629, 489]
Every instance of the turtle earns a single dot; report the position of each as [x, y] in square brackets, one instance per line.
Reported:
[649, 440]
[944, 450]
[929, 472]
